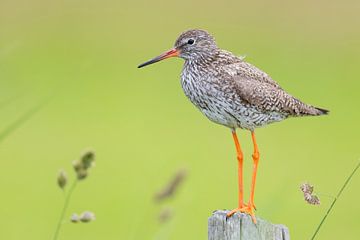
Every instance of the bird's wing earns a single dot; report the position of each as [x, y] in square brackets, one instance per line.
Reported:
[261, 91]
[269, 97]
[263, 96]
[244, 69]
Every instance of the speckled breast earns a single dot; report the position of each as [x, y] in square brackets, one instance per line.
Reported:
[205, 94]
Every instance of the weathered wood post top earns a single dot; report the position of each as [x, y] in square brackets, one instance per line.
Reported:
[241, 227]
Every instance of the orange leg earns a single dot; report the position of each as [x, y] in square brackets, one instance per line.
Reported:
[255, 157]
[250, 207]
[240, 159]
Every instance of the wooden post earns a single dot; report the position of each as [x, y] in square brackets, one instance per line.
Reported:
[241, 227]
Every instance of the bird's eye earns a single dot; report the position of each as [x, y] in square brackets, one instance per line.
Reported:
[191, 41]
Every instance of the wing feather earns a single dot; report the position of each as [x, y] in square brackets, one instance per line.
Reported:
[260, 90]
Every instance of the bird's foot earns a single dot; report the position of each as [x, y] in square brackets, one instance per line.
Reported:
[248, 209]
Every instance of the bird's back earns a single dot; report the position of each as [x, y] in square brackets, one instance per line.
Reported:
[261, 91]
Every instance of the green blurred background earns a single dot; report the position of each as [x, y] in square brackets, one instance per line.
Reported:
[83, 55]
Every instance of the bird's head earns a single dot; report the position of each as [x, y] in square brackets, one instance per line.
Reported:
[190, 45]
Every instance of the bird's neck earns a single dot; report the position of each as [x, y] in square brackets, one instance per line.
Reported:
[202, 60]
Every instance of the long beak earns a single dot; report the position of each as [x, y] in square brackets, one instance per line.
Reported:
[171, 53]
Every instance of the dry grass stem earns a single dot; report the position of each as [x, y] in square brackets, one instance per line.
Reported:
[172, 185]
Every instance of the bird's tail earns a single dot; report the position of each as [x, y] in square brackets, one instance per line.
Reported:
[321, 111]
[308, 110]
[303, 109]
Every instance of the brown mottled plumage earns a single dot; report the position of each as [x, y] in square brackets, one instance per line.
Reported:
[248, 97]
[232, 92]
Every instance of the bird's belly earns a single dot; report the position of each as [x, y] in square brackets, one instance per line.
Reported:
[210, 102]
[224, 109]
[231, 113]
[240, 116]
[219, 113]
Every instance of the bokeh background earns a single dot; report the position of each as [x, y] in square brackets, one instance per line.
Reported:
[68, 81]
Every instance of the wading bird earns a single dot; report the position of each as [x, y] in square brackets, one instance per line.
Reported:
[233, 93]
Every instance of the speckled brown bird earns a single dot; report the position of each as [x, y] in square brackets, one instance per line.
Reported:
[233, 93]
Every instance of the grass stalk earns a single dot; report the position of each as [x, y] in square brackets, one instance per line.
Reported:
[17, 123]
[65, 207]
[334, 201]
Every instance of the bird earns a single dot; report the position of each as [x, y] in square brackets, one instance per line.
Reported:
[234, 93]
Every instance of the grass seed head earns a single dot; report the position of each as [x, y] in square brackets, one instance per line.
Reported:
[81, 174]
[74, 218]
[87, 159]
[87, 216]
[62, 179]
[82, 165]
[77, 165]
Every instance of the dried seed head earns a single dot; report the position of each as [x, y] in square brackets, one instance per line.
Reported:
[87, 217]
[307, 188]
[309, 197]
[74, 218]
[312, 199]
[87, 159]
[62, 179]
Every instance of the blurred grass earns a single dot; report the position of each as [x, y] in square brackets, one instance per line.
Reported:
[143, 127]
